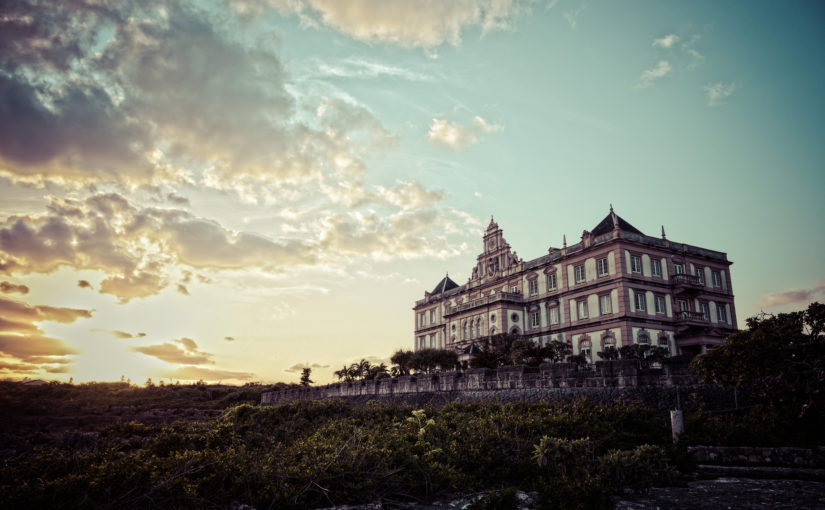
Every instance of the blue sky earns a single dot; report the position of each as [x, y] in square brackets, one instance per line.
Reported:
[235, 190]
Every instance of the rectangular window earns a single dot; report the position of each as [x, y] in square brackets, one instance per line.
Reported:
[534, 287]
[551, 282]
[432, 316]
[601, 264]
[700, 273]
[582, 309]
[717, 278]
[535, 319]
[656, 267]
[636, 263]
[660, 304]
[678, 269]
[683, 305]
[703, 309]
[605, 304]
[721, 316]
[579, 274]
[421, 319]
[554, 315]
[640, 301]
[514, 289]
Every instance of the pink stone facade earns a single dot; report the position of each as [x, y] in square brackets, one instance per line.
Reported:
[616, 287]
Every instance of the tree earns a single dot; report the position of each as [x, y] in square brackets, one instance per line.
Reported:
[344, 374]
[305, 380]
[403, 362]
[780, 357]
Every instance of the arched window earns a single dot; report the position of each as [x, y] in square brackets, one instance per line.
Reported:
[608, 340]
[464, 335]
[478, 328]
[664, 342]
[585, 348]
[472, 329]
[643, 337]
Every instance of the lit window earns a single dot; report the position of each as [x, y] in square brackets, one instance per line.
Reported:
[656, 267]
[636, 263]
[640, 302]
[554, 315]
[551, 282]
[579, 274]
[582, 309]
[605, 304]
[721, 316]
[678, 269]
[660, 304]
[700, 273]
[534, 287]
[601, 265]
[717, 278]
[535, 319]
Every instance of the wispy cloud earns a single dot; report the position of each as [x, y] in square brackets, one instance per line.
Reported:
[795, 296]
[455, 136]
[363, 68]
[718, 92]
[572, 16]
[182, 351]
[298, 367]
[657, 72]
[667, 41]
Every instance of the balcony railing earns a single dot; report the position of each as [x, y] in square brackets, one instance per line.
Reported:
[684, 316]
[686, 281]
[504, 296]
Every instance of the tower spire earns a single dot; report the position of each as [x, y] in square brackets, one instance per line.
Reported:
[663, 232]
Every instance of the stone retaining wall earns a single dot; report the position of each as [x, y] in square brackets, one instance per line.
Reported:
[604, 382]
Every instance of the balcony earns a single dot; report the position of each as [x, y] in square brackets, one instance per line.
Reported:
[690, 318]
[504, 296]
[686, 283]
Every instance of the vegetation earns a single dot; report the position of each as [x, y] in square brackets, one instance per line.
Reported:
[363, 370]
[780, 361]
[423, 360]
[316, 454]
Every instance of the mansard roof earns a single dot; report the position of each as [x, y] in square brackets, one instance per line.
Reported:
[606, 225]
[444, 285]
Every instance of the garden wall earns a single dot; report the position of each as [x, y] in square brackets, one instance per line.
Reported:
[605, 382]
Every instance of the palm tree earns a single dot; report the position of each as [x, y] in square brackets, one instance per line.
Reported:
[343, 374]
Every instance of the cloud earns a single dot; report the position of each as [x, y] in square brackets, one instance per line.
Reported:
[660, 70]
[22, 340]
[667, 41]
[9, 288]
[572, 17]
[362, 69]
[298, 367]
[455, 136]
[183, 290]
[795, 296]
[172, 352]
[115, 333]
[194, 373]
[425, 24]
[229, 338]
[718, 92]
[84, 284]
[135, 246]
[155, 92]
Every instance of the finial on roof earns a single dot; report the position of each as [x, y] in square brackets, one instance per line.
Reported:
[663, 232]
[564, 238]
[611, 207]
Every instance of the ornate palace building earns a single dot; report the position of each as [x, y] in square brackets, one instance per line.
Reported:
[616, 287]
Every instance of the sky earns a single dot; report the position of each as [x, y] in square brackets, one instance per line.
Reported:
[231, 191]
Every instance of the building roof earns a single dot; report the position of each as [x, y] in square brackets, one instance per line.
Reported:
[444, 285]
[606, 225]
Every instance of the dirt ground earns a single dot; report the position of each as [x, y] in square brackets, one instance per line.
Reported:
[733, 493]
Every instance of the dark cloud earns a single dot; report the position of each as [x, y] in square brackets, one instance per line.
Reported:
[171, 352]
[177, 200]
[298, 367]
[795, 296]
[83, 284]
[21, 340]
[183, 290]
[9, 288]
[229, 338]
[115, 333]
